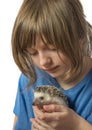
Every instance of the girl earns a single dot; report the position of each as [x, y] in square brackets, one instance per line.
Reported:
[51, 44]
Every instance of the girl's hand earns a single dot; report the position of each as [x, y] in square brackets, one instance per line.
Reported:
[38, 124]
[57, 117]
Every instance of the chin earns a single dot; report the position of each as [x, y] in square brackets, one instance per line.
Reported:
[55, 75]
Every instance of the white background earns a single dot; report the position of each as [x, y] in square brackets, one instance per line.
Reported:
[9, 72]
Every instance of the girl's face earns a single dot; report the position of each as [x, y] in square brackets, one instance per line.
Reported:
[48, 60]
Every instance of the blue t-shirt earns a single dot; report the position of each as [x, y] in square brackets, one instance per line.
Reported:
[79, 98]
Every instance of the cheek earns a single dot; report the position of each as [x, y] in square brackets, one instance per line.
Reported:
[36, 61]
[64, 61]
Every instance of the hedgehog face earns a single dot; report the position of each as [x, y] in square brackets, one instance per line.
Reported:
[41, 98]
[45, 95]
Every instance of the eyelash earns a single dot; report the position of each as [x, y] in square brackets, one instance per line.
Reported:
[51, 49]
[33, 54]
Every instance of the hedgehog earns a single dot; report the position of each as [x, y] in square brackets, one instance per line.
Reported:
[47, 94]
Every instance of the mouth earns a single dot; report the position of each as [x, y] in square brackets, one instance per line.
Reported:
[51, 70]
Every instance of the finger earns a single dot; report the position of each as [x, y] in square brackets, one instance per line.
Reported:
[33, 128]
[39, 124]
[38, 113]
[52, 112]
[55, 116]
[35, 125]
[54, 108]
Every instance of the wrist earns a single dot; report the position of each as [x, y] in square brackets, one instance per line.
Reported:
[83, 125]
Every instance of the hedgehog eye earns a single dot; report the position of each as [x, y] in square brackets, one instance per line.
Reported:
[41, 97]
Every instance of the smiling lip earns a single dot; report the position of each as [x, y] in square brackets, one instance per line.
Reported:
[51, 70]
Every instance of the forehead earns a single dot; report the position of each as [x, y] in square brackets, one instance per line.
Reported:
[40, 94]
[41, 43]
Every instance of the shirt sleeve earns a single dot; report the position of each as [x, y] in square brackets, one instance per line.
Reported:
[20, 110]
[89, 113]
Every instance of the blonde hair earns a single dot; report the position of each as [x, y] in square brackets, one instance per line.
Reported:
[61, 23]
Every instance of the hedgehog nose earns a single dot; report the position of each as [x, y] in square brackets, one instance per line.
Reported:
[36, 102]
[33, 103]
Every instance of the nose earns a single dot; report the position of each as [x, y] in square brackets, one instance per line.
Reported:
[45, 60]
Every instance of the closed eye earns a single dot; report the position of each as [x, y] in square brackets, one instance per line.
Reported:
[33, 53]
[52, 48]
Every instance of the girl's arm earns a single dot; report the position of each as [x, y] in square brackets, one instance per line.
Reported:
[15, 119]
